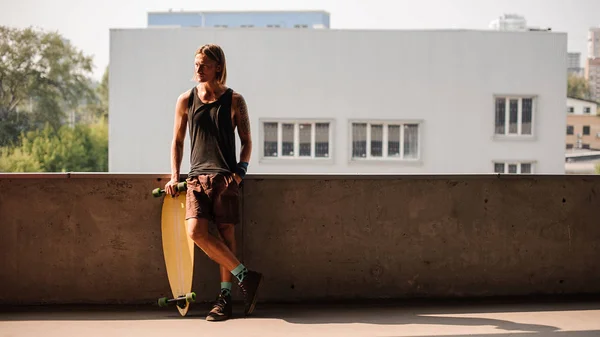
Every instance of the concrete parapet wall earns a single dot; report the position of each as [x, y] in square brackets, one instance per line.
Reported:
[77, 238]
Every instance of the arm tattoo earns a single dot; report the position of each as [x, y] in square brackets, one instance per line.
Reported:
[244, 124]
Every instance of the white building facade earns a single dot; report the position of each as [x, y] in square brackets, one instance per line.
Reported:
[346, 101]
[581, 107]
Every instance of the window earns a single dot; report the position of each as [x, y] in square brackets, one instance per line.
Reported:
[385, 140]
[513, 168]
[570, 109]
[300, 26]
[247, 26]
[586, 130]
[273, 26]
[569, 146]
[514, 116]
[587, 110]
[585, 146]
[525, 168]
[296, 139]
[570, 129]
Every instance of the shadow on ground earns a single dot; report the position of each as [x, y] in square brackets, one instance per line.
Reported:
[594, 333]
[376, 313]
[591, 333]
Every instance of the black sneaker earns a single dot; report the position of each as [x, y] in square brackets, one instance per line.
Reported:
[249, 287]
[221, 310]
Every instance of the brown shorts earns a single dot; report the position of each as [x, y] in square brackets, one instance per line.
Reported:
[213, 197]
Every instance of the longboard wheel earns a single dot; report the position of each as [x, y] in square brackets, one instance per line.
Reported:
[190, 297]
[181, 187]
[162, 302]
[157, 192]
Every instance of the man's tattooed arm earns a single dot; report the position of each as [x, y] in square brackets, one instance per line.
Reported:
[242, 121]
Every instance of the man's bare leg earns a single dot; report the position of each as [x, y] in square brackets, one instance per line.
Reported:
[214, 248]
[217, 251]
[227, 232]
[222, 308]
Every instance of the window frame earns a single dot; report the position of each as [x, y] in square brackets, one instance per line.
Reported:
[589, 129]
[296, 158]
[519, 135]
[386, 123]
[507, 163]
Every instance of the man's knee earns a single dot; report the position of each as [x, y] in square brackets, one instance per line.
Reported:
[197, 230]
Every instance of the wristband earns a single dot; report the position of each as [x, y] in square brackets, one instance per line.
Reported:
[241, 169]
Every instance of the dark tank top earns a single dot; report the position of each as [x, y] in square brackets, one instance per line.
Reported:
[211, 135]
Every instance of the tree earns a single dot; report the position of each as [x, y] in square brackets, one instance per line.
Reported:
[83, 148]
[16, 160]
[41, 74]
[99, 109]
[578, 87]
[102, 92]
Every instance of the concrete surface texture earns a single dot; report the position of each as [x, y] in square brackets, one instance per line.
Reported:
[96, 239]
[370, 238]
[576, 319]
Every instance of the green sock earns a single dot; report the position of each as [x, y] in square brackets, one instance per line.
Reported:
[240, 272]
[226, 288]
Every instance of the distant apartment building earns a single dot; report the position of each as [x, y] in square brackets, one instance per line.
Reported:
[583, 125]
[511, 22]
[592, 64]
[574, 64]
[240, 19]
[594, 43]
[592, 75]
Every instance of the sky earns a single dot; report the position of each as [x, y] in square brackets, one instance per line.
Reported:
[87, 23]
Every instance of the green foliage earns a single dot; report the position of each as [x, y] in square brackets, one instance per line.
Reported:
[578, 87]
[99, 142]
[12, 126]
[98, 108]
[53, 117]
[16, 160]
[79, 149]
[41, 74]
[102, 92]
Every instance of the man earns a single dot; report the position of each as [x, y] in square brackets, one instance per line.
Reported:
[213, 112]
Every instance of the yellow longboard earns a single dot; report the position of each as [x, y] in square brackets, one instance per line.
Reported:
[178, 250]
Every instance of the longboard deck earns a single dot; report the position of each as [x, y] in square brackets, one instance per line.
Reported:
[178, 248]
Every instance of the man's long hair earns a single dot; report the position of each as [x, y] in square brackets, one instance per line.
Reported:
[215, 53]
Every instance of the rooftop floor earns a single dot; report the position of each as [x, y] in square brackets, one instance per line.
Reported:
[459, 318]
